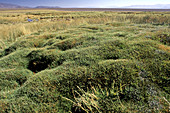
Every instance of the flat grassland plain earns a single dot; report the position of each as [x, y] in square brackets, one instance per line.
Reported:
[91, 61]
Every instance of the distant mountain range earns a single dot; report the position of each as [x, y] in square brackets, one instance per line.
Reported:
[6, 5]
[47, 7]
[13, 6]
[157, 6]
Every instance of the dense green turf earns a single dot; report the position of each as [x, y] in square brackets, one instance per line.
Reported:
[108, 67]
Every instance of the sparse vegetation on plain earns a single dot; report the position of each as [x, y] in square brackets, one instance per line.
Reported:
[84, 61]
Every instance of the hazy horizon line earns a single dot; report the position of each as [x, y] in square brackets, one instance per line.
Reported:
[124, 6]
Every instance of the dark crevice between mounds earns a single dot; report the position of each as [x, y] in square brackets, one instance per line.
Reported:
[21, 81]
[38, 65]
[75, 109]
[61, 37]
[92, 27]
[111, 57]
[9, 50]
[41, 60]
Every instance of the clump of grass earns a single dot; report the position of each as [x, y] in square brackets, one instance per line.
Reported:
[113, 49]
[13, 78]
[15, 59]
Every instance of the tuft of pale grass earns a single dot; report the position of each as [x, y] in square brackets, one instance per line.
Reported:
[165, 48]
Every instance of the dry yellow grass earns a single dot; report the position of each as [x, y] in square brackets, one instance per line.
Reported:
[165, 48]
[14, 22]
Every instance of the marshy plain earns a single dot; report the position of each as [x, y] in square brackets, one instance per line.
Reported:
[84, 61]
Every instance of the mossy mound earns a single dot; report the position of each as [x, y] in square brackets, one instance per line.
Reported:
[13, 78]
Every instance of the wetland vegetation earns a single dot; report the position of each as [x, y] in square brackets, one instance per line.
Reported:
[84, 61]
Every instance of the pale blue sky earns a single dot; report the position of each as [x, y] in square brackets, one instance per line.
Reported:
[85, 3]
